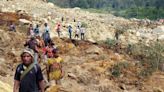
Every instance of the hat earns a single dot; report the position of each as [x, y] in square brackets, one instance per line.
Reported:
[29, 51]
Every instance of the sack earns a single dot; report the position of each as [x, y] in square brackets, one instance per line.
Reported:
[28, 70]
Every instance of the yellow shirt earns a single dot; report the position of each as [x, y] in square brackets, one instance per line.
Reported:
[52, 60]
[57, 73]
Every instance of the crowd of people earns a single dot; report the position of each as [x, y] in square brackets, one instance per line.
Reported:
[39, 49]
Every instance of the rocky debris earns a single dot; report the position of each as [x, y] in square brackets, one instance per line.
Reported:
[24, 22]
[85, 63]
[158, 90]
[5, 87]
[72, 76]
[94, 50]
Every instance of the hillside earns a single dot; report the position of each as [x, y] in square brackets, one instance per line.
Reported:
[92, 65]
[151, 9]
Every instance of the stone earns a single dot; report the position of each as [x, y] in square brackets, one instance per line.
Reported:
[24, 21]
[72, 76]
[157, 90]
[94, 50]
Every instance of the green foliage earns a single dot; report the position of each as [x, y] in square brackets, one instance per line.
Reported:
[151, 9]
[142, 12]
[83, 24]
[151, 57]
[118, 68]
[110, 42]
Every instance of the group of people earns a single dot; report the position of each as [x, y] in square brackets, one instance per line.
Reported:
[34, 31]
[79, 32]
[38, 49]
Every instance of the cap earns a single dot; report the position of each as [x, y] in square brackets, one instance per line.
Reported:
[29, 51]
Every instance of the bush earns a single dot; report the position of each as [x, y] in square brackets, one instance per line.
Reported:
[83, 24]
[118, 68]
[110, 42]
[150, 56]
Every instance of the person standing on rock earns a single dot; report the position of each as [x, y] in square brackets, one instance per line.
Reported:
[28, 76]
[82, 32]
[36, 30]
[30, 31]
[77, 32]
[46, 37]
[47, 28]
[58, 29]
[70, 31]
[117, 35]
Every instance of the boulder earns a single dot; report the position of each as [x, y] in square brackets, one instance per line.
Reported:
[24, 21]
[94, 50]
[51, 5]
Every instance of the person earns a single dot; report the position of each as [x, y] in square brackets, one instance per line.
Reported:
[82, 32]
[36, 30]
[77, 32]
[54, 67]
[30, 31]
[117, 35]
[62, 19]
[46, 37]
[32, 44]
[12, 27]
[58, 29]
[70, 31]
[79, 24]
[40, 47]
[47, 28]
[28, 76]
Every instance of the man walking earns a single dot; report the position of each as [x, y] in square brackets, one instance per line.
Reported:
[28, 76]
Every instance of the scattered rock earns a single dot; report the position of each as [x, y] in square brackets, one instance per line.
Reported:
[94, 50]
[158, 90]
[123, 87]
[72, 76]
[24, 21]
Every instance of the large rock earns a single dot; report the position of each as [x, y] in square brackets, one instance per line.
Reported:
[159, 30]
[24, 21]
[51, 5]
[94, 50]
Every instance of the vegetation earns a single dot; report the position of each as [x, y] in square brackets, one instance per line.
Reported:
[150, 57]
[110, 42]
[152, 9]
[118, 68]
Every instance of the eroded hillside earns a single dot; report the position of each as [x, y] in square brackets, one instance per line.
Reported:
[89, 66]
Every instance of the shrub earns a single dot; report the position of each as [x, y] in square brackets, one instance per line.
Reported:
[83, 24]
[117, 69]
[151, 57]
[110, 42]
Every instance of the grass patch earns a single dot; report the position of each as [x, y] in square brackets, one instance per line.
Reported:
[117, 69]
[151, 58]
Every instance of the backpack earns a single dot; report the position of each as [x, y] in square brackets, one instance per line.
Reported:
[36, 30]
